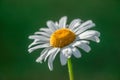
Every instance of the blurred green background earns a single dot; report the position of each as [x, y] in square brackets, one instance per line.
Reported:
[21, 18]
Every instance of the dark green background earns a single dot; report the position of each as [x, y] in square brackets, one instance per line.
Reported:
[21, 18]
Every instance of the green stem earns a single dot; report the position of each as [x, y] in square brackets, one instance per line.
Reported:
[70, 69]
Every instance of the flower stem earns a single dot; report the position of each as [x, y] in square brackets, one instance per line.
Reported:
[70, 69]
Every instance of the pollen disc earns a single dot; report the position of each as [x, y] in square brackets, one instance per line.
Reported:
[62, 37]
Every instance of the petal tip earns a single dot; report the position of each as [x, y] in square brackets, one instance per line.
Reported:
[38, 60]
[29, 50]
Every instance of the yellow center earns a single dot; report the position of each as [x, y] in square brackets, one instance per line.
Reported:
[62, 37]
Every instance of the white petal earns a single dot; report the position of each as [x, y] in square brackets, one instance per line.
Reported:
[53, 50]
[54, 55]
[62, 22]
[39, 59]
[78, 42]
[76, 52]
[84, 41]
[85, 47]
[67, 52]
[43, 54]
[35, 42]
[63, 59]
[56, 23]
[88, 22]
[84, 26]
[43, 34]
[94, 38]
[82, 45]
[47, 30]
[38, 46]
[74, 23]
[51, 25]
[84, 29]
[51, 59]
[38, 37]
[90, 35]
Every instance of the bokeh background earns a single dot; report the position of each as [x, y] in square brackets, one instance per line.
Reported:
[21, 18]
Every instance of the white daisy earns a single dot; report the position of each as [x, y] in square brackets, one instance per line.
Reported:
[62, 38]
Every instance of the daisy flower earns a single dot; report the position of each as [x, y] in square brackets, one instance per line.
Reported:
[61, 38]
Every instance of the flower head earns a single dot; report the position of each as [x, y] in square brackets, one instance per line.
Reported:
[64, 39]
